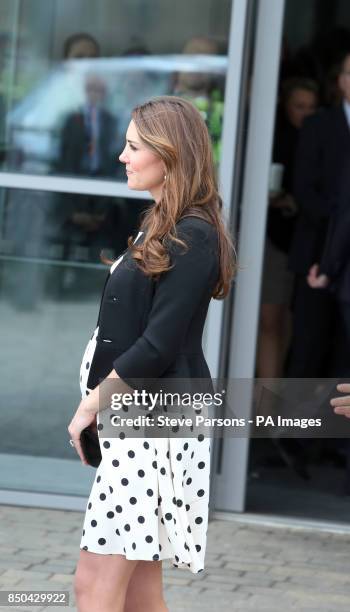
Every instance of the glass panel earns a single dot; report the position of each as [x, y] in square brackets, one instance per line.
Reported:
[51, 280]
[296, 477]
[66, 97]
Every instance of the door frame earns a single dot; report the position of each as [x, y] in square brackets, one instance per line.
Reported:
[231, 476]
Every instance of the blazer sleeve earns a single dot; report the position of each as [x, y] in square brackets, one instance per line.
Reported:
[177, 295]
[336, 253]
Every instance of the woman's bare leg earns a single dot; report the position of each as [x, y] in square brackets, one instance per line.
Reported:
[101, 581]
[145, 589]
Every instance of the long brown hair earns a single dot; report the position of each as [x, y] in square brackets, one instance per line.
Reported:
[175, 131]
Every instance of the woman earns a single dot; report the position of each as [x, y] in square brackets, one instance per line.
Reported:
[150, 326]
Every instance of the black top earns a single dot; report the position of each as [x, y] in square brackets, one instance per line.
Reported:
[150, 329]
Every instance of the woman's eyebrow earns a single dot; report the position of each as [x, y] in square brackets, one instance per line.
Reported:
[132, 141]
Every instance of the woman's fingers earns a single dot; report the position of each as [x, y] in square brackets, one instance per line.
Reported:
[94, 425]
[80, 420]
[77, 446]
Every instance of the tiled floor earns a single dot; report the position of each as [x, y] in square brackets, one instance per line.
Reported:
[248, 566]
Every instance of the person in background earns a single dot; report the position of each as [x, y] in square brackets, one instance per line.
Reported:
[333, 270]
[196, 84]
[323, 149]
[318, 346]
[89, 135]
[341, 406]
[204, 90]
[299, 100]
[88, 144]
[88, 141]
[81, 46]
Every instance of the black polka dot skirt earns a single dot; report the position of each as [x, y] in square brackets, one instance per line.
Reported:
[150, 499]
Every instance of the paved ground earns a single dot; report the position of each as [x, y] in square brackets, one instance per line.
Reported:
[248, 567]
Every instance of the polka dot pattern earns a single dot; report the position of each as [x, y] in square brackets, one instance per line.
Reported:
[156, 515]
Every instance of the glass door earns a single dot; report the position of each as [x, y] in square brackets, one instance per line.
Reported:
[64, 198]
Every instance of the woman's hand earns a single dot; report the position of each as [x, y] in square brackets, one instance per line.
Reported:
[97, 399]
[342, 404]
[81, 419]
[316, 280]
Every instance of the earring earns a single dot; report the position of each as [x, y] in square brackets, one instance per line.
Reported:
[165, 177]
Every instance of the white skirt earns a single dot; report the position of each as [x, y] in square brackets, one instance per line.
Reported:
[150, 500]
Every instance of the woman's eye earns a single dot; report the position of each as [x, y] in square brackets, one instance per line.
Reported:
[133, 148]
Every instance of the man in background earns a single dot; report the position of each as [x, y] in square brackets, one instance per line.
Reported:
[321, 159]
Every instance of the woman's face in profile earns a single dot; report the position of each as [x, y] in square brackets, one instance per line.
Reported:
[144, 169]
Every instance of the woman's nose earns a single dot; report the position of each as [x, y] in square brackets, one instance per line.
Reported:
[122, 157]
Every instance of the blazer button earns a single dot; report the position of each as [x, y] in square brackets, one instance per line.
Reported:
[115, 299]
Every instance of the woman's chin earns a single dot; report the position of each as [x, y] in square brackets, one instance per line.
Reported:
[132, 184]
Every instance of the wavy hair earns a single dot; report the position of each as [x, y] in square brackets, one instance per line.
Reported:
[175, 131]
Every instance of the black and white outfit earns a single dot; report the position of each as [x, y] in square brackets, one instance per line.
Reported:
[150, 496]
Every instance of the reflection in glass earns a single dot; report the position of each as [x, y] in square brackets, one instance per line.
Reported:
[204, 89]
[74, 122]
[50, 283]
[70, 74]
[66, 230]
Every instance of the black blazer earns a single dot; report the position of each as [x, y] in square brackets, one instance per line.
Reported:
[323, 148]
[74, 144]
[335, 260]
[150, 329]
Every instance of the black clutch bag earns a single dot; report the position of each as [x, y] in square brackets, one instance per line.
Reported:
[90, 446]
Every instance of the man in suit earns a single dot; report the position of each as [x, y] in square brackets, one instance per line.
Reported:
[88, 147]
[89, 135]
[322, 153]
[318, 347]
[333, 271]
[333, 274]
